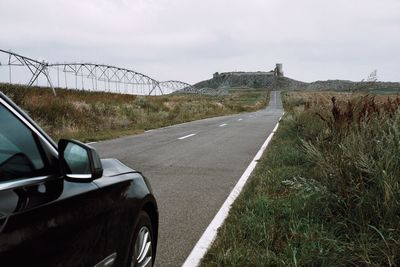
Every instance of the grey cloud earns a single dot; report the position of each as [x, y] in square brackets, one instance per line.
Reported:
[190, 39]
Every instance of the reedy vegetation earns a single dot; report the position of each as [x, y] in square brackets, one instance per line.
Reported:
[327, 191]
[91, 116]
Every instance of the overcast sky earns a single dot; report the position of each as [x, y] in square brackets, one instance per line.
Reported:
[189, 40]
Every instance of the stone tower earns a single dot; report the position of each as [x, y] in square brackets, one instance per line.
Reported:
[278, 72]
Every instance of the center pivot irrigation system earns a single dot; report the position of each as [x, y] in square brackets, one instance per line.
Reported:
[17, 69]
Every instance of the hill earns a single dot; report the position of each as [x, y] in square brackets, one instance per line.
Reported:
[270, 81]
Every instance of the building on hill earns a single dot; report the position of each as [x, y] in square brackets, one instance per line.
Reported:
[277, 72]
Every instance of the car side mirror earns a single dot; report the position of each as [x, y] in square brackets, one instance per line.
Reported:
[78, 161]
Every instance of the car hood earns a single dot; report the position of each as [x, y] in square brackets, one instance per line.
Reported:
[113, 167]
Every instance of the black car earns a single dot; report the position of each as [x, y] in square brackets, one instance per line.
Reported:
[63, 206]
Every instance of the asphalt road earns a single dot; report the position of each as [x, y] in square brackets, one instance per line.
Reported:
[192, 168]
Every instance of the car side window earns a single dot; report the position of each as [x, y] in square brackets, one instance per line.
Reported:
[19, 152]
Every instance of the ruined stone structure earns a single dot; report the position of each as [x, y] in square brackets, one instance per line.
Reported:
[278, 72]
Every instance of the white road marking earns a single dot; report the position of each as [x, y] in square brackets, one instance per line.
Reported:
[210, 234]
[186, 136]
[149, 131]
[222, 125]
[240, 119]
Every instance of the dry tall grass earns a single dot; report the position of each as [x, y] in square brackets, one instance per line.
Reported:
[93, 116]
[353, 142]
[327, 190]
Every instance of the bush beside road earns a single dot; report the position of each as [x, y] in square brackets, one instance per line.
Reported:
[327, 190]
[92, 116]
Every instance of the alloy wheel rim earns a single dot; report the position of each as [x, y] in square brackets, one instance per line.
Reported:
[142, 251]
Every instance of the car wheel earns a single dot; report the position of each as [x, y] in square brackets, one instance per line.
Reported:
[142, 243]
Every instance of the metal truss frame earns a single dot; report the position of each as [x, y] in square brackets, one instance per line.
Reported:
[175, 86]
[35, 67]
[108, 74]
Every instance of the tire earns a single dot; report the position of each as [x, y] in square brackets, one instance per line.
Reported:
[141, 247]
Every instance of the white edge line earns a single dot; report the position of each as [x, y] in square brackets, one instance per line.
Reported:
[240, 119]
[186, 136]
[210, 233]
[222, 125]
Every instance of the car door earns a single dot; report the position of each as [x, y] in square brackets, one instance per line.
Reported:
[44, 219]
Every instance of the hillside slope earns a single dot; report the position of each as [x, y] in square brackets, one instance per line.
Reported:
[248, 79]
[269, 81]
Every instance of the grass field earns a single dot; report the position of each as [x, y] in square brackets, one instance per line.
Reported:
[92, 116]
[326, 192]
[245, 96]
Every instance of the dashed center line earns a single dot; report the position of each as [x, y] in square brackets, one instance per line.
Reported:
[240, 119]
[222, 125]
[186, 136]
